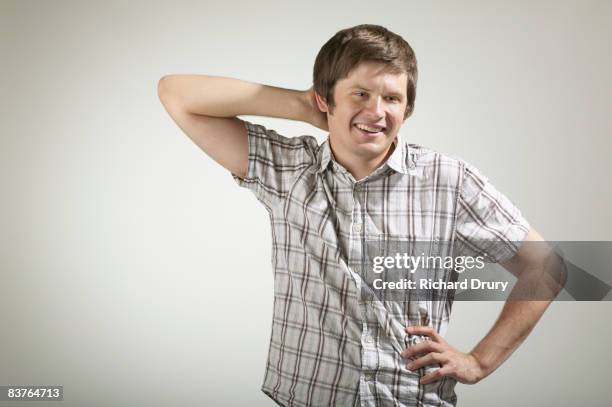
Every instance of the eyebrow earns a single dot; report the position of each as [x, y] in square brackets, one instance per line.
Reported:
[392, 93]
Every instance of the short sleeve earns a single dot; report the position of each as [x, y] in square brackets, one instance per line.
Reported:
[274, 162]
[487, 222]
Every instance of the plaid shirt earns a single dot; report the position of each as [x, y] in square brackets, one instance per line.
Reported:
[329, 345]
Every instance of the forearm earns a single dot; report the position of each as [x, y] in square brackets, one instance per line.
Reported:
[541, 274]
[229, 97]
[515, 322]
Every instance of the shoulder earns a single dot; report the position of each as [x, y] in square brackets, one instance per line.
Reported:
[296, 149]
[428, 156]
[261, 131]
[439, 165]
[446, 169]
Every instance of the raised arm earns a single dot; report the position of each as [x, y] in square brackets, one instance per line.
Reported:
[205, 108]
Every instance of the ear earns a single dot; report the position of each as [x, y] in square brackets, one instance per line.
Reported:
[321, 103]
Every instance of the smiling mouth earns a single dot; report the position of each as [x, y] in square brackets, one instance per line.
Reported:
[370, 131]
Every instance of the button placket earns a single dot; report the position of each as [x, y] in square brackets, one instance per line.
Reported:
[357, 226]
[369, 355]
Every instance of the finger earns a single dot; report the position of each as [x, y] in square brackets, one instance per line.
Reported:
[434, 376]
[420, 348]
[424, 330]
[429, 359]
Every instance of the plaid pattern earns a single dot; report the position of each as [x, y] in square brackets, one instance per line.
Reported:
[331, 346]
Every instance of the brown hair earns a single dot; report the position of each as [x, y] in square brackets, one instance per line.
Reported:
[363, 43]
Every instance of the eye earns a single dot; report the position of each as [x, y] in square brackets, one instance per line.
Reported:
[360, 93]
[393, 98]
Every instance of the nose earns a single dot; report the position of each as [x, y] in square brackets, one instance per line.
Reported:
[375, 106]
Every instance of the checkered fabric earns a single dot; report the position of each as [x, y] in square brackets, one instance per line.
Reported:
[330, 345]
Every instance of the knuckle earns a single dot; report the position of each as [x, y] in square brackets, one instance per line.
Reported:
[420, 348]
[423, 346]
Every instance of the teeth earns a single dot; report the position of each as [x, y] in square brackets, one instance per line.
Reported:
[368, 128]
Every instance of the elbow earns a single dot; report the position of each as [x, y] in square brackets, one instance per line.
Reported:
[556, 273]
[558, 270]
[165, 88]
[563, 275]
[162, 88]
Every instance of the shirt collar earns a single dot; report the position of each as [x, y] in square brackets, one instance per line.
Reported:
[401, 159]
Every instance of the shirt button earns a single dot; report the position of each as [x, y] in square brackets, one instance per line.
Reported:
[369, 339]
[357, 227]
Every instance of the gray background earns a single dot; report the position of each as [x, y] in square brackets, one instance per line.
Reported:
[134, 271]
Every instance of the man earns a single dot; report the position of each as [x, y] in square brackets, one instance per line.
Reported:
[330, 345]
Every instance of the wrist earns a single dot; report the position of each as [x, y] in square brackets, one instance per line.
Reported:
[305, 106]
[482, 367]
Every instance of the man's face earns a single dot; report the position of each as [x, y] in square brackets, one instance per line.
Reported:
[369, 111]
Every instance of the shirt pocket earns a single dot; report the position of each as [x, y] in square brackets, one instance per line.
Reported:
[385, 270]
[396, 265]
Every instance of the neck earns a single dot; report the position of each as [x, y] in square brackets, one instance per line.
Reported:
[360, 167]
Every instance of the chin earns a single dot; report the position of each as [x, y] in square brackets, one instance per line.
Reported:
[370, 149]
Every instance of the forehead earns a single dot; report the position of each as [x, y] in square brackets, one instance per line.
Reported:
[375, 76]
